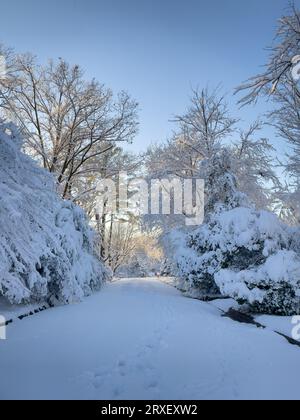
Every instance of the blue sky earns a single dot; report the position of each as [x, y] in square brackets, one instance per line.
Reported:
[155, 49]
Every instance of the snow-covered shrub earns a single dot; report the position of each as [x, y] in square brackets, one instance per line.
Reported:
[245, 254]
[272, 288]
[46, 244]
[240, 252]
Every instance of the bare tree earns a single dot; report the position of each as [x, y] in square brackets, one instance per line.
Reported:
[279, 82]
[253, 166]
[206, 123]
[116, 162]
[202, 130]
[122, 242]
[284, 54]
[69, 123]
[286, 120]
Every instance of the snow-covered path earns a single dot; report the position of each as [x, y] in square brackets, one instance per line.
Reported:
[141, 339]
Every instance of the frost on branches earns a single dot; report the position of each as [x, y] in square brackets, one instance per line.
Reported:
[221, 184]
[242, 253]
[46, 245]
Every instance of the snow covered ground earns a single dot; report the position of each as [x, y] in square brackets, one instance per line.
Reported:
[141, 339]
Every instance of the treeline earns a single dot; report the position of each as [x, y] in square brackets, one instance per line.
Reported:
[76, 128]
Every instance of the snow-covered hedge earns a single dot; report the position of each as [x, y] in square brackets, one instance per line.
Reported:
[272, 288]
[246, 254]
[46, 245]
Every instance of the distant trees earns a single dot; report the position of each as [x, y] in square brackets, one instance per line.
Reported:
[146, 258]
[121, 242]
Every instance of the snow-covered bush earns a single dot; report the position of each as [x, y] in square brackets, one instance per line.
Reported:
[46, 245]
[245, 254]
[272, 288]
[240, 252]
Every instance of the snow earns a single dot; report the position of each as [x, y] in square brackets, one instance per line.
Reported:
[225, 304]
[245, 227]
[142, 339]
[282, 267]
[46, 244]
[246, 254]
[281, 324]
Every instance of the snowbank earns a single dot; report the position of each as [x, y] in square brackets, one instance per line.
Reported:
[46, 245]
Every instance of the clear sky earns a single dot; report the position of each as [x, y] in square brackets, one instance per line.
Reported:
[155, 49]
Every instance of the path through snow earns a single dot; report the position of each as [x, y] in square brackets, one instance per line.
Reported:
[141, 339]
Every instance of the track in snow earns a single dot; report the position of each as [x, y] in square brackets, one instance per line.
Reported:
[141, 339]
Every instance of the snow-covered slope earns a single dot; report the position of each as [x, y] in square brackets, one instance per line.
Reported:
[46, 245]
